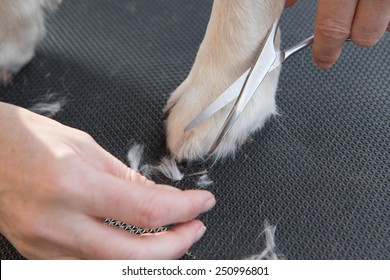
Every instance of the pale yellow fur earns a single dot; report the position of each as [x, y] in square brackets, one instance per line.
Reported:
[232, 41]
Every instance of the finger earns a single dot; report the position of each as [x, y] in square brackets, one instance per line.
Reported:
[100, 241]
[106, 162]
[107, 196]
[92, 153]
[289, 3]
[332, 27]
[173, 243]
[371, 21]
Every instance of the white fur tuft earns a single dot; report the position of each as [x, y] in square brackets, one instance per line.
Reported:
[49, 105]
[269, 251]
[169, 168]
[134, 156]
[204, 181]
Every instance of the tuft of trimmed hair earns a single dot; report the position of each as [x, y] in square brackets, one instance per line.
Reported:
[49, 105]
[269, 251]
[134, 156]
[169, 168]
[204, 181]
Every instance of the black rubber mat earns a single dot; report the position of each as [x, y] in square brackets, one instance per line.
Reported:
[320, 171]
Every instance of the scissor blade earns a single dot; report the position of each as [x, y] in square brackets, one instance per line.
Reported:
[233, 91]
[253, 81]
[278, 61]
[225, 98]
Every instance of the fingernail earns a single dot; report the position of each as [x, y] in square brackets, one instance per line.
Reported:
[208, 205]
[324, 65]
[200, 233]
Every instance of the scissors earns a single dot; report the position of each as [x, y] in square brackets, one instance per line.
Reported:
[245, 86]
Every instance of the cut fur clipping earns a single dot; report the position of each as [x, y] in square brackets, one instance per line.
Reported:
[204, 181]
[167, 166]
[134, 156]
[269, 252]
[48, 105]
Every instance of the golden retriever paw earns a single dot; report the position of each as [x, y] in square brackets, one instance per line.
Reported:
[232, 42]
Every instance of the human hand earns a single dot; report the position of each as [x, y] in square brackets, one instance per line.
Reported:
[363, 21]
[57, 185]
[289, 3]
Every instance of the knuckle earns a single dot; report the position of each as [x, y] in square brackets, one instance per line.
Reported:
[333, 30]
[150, 213]
[86, 137]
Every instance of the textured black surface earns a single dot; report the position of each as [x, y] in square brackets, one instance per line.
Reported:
[320, 170]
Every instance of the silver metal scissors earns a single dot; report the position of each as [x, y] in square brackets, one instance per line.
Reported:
[245, 86]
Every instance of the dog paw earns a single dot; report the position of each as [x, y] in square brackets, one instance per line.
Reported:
[232, 42]
[192, 97]
[21, 28]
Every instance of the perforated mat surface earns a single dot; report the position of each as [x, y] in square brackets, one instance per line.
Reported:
[320, 171]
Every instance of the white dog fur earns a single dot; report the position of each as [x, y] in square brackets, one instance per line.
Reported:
[21, 28]
[232, 41]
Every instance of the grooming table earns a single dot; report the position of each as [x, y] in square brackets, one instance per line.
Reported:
[319, 171]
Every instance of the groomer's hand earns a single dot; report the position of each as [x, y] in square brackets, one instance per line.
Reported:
[57, 185]
[363, 21]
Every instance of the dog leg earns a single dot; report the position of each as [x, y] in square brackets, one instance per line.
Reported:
[232, 42]
[21, 28]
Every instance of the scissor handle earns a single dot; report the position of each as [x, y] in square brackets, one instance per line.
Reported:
[305, 43]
